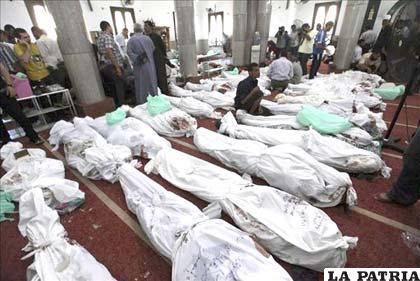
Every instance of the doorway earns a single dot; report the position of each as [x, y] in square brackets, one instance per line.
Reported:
[122, 18]
[325, 12]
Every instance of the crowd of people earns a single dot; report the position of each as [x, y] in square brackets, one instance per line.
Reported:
[42, 63]
[302, 44]
[305, 43]
[141, 55]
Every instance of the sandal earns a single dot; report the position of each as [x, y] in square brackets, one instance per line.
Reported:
[384, 197]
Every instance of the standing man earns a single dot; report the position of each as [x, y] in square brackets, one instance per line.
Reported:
[9, 105]
[319, 46]
[282, 39]
[248, 94]
[384, 35]
[159, 56]
[140, 49]
[406, 190]
[122, 40]
[51, 55]
[280, 72]
[294, 40]
[305, 47]
[111, 61]
[30, 58]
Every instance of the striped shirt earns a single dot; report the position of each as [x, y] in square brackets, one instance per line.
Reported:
[106, 41]
[8, 57]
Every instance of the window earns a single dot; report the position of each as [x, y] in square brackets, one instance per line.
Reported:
[45, 21]
[325, 12]
[215, 29]
[41, 17]
[122, 17]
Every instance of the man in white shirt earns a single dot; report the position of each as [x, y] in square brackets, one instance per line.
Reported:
[370, 62]
[49, 49]
[51, 55]
[121, 40]
[280, 72]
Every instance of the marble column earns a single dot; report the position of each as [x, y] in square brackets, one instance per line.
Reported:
[263, 25]
[250, 28]
[349, 33]
[184, 10]
[77, 51]
[239, 35]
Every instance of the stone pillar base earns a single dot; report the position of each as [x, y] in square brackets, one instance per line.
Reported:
[96, 109]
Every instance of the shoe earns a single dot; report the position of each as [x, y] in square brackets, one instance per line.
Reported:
[384, 197]
[37, 141]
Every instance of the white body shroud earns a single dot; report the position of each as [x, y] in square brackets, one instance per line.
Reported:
[350, 85]
[194, 107]
[213, 98]
[131, 132]
[8, 150]
[285, 225]
[287, 120]
[328, 150]
[54, 257]
[200, 248]
[286, 166]
[274, 121]
[172, 123]
[87, 151]
[37, 171]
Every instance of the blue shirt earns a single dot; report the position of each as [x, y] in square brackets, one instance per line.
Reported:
[320, 38]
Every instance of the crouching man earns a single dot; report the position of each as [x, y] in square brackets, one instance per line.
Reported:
[248, 94]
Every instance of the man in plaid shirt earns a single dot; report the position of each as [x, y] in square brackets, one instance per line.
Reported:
[111, 61]
[7, 56]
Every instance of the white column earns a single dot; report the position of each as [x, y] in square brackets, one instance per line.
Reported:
[184, 10]
[240, 9]
[263, 25]
[250, 28]
[77, 51]
[349, 33]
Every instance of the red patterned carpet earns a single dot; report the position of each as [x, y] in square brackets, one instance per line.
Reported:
[108, 234]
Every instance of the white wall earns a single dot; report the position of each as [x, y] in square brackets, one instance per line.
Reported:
[160, 11]
[16, 14]
[302, 12]
[385, 6]
[201, 16]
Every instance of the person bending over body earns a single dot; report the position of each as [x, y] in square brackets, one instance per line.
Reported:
[248, 94]
[370, 62]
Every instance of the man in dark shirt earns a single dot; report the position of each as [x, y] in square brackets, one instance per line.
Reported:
[248, 94]
[385, 34]
[159, 55]
[9, 105]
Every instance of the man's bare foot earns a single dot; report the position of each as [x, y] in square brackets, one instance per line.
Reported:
[383, 197]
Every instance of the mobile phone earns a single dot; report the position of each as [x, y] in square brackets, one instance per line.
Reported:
[21, 153]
